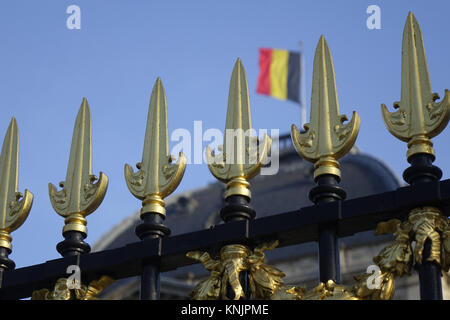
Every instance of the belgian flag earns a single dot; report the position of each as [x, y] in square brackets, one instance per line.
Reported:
[279, 74]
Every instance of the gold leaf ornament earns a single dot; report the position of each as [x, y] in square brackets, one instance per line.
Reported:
[61, 290]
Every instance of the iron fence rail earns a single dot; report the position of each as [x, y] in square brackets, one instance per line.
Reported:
[290, 228]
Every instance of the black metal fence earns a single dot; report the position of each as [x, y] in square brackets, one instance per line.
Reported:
[234, 251]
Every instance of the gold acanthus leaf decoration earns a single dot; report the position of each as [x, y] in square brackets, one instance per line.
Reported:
[224, 272]
[423, 223]
[384, 292]
[266, 282]
[333, 291]
[445, 258]
[396, 257]
[427, 223]
[208, 289]
[61, 290]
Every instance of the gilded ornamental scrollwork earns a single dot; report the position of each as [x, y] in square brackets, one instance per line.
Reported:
[224, 270]
[266, 282]
[62, 291]
[424, 223]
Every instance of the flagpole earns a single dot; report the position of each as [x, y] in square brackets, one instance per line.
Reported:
[302, 86]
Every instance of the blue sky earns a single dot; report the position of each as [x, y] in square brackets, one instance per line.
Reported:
[122, 46]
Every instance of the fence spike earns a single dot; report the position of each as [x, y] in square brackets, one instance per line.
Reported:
[157, 176]
[241, 158]
[79, 195]
[327, 138]
[418, 117]
[14, 207]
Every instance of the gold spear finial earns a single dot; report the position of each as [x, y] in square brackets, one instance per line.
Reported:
[418, 117]
[157, 176]
[14, 207]
[327, 138]
[240, 160]
[80, 195]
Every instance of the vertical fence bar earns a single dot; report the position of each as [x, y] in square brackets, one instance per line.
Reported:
[328, 191]
[152, 227]
[150, 289]
[240, 160]
[5, 263]
[79, 196]
[422, 170]
[158, 177]
[417, 120]
[329, 267]
[237, 209]
[326, 139]
[10, 198]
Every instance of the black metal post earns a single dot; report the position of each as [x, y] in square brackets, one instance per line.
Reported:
[5, 263]
[328, 254]
[73, 244]
[421, 171]
[326, 191]
[237, 209]
[152, 227]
